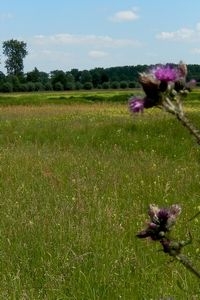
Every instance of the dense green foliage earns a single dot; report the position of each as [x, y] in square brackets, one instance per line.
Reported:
[15, 51]
[76, 181]
[59, 80]
[98, 78]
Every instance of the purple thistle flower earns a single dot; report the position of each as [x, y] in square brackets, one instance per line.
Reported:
[165, 73]
[161, 221]
[151, 87]
[136, 105]
[191, 84]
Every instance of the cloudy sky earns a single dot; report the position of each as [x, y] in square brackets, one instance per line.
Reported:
[84, 34]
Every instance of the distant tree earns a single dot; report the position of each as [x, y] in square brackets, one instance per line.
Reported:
[31, 86]
[123, 84]
[193, 72]
[14, 80]
[58, 86]
[70, 84]
[85, 77]
[2, 77]
[58, 76]
[114, 85]
[48, 86]
[78, 85]
[15, 51]
[7, 87]
[105, 85]
[88, 86]
[76, 73]
[132, 84]
[96, 76]
[33, 76]
[104, 77]
[39, 86]
[23, 87]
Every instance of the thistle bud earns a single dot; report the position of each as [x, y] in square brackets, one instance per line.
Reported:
[182, 68]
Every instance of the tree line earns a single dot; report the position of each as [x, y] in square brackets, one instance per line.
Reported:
[15, 80]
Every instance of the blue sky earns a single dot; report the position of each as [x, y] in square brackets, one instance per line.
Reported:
[85, 34]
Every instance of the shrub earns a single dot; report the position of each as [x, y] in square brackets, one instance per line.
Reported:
[105, 85]
[48, 86]
[78, 85]
[123, 84]
[114, 85]
[58, 86]
[132, 85]
[7, 87]
[88, 85]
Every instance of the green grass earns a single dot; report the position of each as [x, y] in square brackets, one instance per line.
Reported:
[75, 184]
[69, 97]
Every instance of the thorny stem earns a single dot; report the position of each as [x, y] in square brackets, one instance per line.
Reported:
[178, 112]
[185, 261]
[192, 129]
[174, 249]
[193, 217]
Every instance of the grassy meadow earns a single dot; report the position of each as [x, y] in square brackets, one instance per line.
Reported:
[76, 180]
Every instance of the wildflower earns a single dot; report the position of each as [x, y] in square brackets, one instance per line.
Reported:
[165, 87]
[136, 105]
[161, 221]
[166, 73]
[150, 84]
[151, 88]
[191, 84]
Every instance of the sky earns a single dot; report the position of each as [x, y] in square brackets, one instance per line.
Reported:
[86, 34]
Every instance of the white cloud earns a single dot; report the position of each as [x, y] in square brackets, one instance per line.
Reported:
[70, 39]
[183, 34]
[97, 54]
[124, 16]
[49, 54]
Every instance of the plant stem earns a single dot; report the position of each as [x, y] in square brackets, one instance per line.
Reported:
[185, 261]
[187, 123]
[177, 110]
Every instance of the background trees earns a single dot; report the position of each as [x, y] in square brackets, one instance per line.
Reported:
[59, 80]
[15, 52]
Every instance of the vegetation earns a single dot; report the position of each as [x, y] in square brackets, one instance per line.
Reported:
[72, 97]
[99, 78]
[15, 80]
[15, 52]
[76, 181]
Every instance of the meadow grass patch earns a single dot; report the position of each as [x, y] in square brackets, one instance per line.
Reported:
[75, 184]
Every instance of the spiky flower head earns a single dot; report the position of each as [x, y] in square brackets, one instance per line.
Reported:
[165, 73]
[161, 221]
[136, 104]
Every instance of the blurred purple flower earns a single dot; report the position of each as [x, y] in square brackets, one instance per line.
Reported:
[191, 84]
[136, 105]
[165, 73]
[161, 221]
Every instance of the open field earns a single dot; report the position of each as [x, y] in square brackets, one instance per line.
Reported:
[75, 184]
[67, 97]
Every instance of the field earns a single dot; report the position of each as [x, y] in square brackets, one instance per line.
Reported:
[76, 180]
